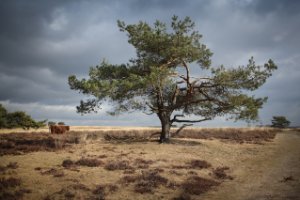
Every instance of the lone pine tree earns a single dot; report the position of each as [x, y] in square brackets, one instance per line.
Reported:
[160, 81]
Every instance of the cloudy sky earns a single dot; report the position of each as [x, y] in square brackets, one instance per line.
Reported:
[42, 42]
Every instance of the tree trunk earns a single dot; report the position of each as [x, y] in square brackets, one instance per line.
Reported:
[165, 127]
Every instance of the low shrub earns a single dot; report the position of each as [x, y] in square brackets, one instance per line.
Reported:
[145, 182]
[220, 173]
[68, 163]
[199, 164]
[117, 165]
[143, 164]
[89, 162]
[9, 183]
[53, 172]
[196, 185]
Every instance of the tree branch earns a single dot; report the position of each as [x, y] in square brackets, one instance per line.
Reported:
[187, 121]
[180, 129]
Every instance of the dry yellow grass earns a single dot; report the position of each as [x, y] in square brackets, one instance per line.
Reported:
[259, 171]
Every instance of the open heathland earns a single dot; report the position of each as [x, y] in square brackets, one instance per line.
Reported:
[129, 163]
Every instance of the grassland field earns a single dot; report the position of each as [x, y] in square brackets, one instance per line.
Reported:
[129, 163]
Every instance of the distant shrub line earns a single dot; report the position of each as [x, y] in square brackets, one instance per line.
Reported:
[18, 119]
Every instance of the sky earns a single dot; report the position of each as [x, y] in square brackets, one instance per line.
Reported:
[42, 42]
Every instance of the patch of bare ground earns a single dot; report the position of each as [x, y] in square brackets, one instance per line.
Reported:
[271, 174]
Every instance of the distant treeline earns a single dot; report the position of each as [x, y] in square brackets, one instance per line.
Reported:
[18, 119]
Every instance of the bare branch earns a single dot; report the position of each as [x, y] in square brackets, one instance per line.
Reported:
[180, 129]
[187, 121]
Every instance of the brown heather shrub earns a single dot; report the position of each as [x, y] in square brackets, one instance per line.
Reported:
[173, 185]
[183, 196]
[199, 164]
[180, 167]
[111, 149]
[12, 165]
[2, 168]
[112, 188]
[287, 178]
[145, 182]
[128, 179]
[220, 173]
[192, 173]
[100, 189]
[143, 187]
[14, 143]
[143, 164]
[117, 165]
[103, 190]
[193, 164]
[196, 185]
[13, 195]
[68, 163]
[239, 135]
[129, 171]
[174, 172]
[89, 162]
[53, 172]
[38, 168]
[9, 183]
[79, 186]
[102, 156]
[157, 170]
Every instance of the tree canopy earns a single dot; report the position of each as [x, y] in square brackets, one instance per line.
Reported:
[280, 122]
[18, 119]
[160, 79]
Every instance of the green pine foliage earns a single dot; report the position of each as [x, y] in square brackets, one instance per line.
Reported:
[280, 122]
[18, 119]
[159, 79]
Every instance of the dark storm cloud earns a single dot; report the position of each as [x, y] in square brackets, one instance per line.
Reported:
[43, 42]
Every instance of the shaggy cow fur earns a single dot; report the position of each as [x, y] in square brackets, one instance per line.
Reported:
[59, 129]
